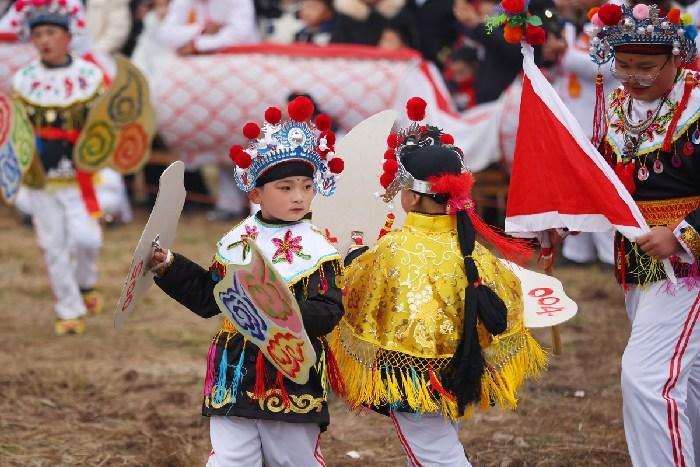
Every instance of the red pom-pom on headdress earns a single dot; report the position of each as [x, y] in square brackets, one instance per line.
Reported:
[390, 154]
[273, 115]
[391, 166]
[233, 152]
[447, 139]
[392, 140]
[330, 137]
[386, 179]
[323, 122]
[251, 130]
[243, 160]
[336, 165]
[673, 16]
[300, 109]
[610, 14]
[415, 109]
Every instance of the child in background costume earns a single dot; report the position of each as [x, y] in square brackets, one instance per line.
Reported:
[433, 322]
[56, 92]
[256, 415]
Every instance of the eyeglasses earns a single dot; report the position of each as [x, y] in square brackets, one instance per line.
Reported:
[643, 80]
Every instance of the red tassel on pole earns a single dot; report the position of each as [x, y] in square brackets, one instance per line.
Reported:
[600, 127]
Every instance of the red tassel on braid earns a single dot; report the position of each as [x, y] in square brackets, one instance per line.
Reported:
[459, 188]
[689, 84]
[513, 249]
[600, 127]
[259, 388]
[335, 378]
[435, 384]
[279, 384]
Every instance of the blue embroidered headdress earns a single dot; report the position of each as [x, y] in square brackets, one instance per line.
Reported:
[297, 139]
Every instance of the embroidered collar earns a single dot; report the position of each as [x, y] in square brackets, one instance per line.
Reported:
[60, 87]
[277, 222]
[297, 249]
[652, 138]
[67, 63]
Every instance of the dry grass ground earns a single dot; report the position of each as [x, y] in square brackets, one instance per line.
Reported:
[132, 397]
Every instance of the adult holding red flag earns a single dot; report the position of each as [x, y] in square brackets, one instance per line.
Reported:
[649, 135]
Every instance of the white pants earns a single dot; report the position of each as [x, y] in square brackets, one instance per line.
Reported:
[429, 440]
[111, 195]
[661, 376]
[247, 442]
[590, 246]
[71, 242]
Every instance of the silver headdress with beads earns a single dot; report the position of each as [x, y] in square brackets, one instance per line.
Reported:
[615, 25]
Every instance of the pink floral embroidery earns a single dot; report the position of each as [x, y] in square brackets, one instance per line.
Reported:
[287, 248]
[251, 233]
[69, 87]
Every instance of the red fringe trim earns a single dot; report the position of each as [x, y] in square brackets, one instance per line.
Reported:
[689, 83]
[435, 383]
[335, 377]
[279, 384]
[513, 249]
[259, 388]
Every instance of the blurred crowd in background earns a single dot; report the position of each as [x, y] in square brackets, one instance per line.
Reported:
[477, 66]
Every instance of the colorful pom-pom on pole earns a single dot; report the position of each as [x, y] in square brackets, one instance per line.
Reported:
[535, 35]
[273, 115]
[415, 109]
[251, 130]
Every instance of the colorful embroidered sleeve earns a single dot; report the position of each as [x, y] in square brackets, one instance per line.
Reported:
[688, 234]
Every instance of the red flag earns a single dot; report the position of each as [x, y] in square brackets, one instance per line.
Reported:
[559, 179]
